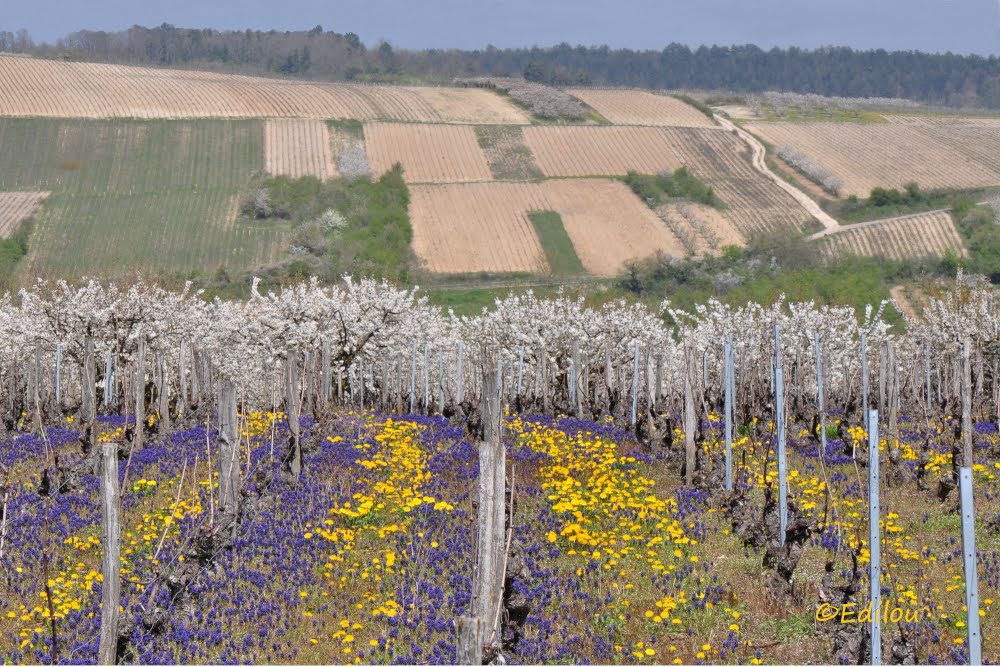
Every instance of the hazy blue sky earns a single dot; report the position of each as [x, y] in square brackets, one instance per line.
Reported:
[961, 26]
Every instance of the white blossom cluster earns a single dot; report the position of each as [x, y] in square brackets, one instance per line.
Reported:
[370, 329]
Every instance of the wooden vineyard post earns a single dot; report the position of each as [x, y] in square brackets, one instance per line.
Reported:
[520, 371]
[325, 377]
[293, 456]
[58, 375]
[350, 383]
[427, 382]
[163, 391]
[111, 563]
[140, 394]
[969, 516]
[89, 399]
[229, 446]
[689, 418]
[470, 631]
[458, 374]
[728, 380]
[576, 399]
[819, 398]
[361, 385]
[488, 589]
[107, 379]
[864, 392]
[413, 376]
[573, 365]
[635, 383]
[874, 538]
[927, 370]
[441, 399]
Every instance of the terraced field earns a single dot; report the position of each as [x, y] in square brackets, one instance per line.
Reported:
[33, 87]
[936, 153]
[907, 237]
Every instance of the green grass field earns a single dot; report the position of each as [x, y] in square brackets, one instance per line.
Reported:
[159, 196]
[558, 247]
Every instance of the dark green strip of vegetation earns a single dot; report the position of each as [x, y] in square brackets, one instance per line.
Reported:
[556, 243]
[890, 202]
[681, 184]
[772, 265]
[12, 251]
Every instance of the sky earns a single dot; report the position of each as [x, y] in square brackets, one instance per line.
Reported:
[959, 26]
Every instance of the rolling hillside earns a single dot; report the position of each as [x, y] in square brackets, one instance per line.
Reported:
[146, 168]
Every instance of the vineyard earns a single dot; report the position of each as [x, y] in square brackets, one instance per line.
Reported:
[30, 87]
[18, 206]
[463, 228]
[599, 151]
[907, 237]
[641, 107]
[119, 201]
[347, 475]
[297, 148]
[936, 153]
[701, 229]
[428, 153]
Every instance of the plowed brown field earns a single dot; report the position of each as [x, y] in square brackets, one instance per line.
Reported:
[428, 153]
[296, 148]
[33, 87]
[940, 153]
[641, 107]
[599, 151]
[17, 206]
[470, 227]
[906, 237]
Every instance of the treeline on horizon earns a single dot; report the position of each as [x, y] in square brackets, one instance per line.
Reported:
[940, 79]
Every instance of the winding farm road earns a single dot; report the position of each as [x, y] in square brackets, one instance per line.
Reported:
[760, 165]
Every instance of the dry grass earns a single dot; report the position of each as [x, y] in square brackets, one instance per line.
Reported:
[906, 237]
[600, 151]
[470, 227]
[428, 153]
[18, 206]
[936, 154]
[298, 148]
[640, 107]
[30, 87]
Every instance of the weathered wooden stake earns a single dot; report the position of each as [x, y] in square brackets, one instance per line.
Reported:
[111, 563]
[819, 398]
[470, 631]
[492, 491]
[229, 447]
[458, 373]
[635, 384]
